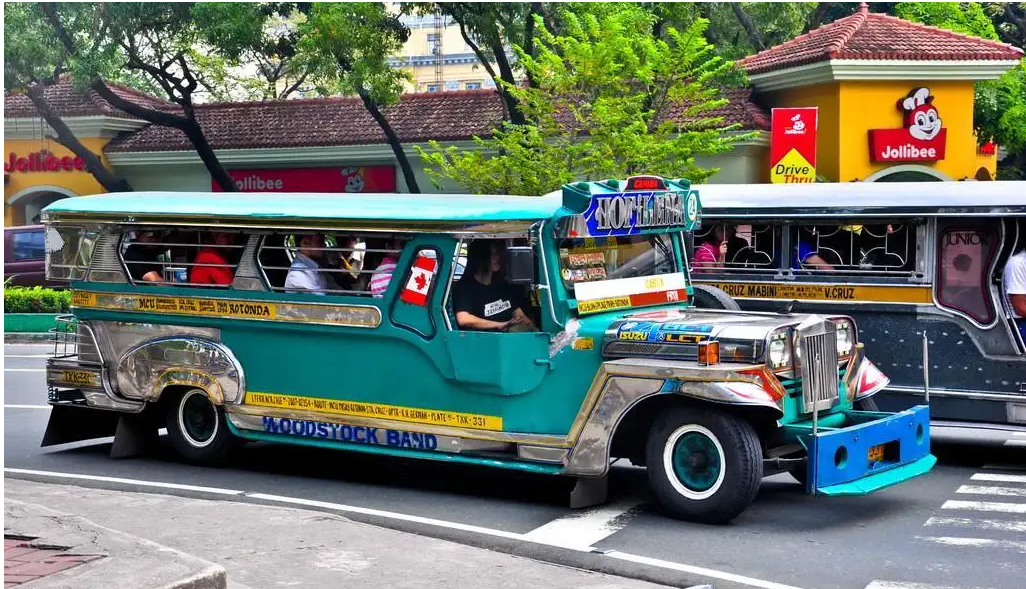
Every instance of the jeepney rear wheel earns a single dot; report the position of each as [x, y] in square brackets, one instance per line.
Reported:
[710, 297]
[703, 465]
[197, 427]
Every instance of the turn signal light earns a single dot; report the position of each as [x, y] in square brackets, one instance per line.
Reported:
[708, 353]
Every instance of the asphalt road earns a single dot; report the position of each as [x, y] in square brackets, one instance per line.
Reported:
[961, 526]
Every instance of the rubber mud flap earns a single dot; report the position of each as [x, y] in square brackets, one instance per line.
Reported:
[69, 424]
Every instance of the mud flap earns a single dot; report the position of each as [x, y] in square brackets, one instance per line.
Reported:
[589, 492]
[69, 424]
[136, 435]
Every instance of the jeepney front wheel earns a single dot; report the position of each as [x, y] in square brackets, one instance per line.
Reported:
[197, 427]
[703, 465]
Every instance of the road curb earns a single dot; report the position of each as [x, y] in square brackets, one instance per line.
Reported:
[126, 561]
[25, 338]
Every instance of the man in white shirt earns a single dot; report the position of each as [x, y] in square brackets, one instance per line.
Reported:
[305, 274]
[1013, 283]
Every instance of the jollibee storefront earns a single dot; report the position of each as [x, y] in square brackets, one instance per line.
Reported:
[874, 98]
[37, 173]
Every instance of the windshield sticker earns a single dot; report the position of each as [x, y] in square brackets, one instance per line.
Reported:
[390, 412]
[356, 434]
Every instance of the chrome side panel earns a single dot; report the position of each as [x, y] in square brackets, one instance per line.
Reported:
[145, 370]
[247, 275]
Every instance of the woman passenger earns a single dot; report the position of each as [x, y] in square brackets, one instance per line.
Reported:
[482, 299]
[216, 268]
[713, 251]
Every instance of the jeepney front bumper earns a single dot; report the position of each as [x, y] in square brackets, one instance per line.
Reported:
[859, 452]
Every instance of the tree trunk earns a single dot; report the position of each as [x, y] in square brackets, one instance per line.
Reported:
[749, 26]
[187, 125]
[393, 142]
[66, 137]
[816, 16]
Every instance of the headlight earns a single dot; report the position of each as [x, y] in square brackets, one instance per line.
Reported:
[778, 352]
[845, 337]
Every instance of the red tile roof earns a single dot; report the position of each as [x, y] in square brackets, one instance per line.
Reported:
[443, 116]
[68, 102]
[866, 35]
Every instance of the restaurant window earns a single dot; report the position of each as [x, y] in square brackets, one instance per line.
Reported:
[881, 249]
[729, 246]
[330, 263]
[964, 259]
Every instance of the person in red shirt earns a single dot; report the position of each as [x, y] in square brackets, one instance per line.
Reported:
[220, 271]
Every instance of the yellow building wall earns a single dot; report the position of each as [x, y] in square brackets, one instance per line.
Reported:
[828, 98]
[874, 105]
[17, 184]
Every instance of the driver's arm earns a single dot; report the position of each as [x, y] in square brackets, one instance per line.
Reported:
[469, 321]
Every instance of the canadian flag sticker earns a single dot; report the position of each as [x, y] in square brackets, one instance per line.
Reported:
[421, 275]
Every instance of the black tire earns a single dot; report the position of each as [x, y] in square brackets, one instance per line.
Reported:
[710, 297]
[867, 404]
[722, 486]
[197, 428]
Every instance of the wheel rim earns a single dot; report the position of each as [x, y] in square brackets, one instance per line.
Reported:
[198, 420]
[694, 461]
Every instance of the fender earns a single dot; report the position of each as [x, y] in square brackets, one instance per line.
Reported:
[145, 370]
[863, 379]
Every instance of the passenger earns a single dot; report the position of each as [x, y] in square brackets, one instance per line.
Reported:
[306, 273]
[383, 273]
[482, 300]
[220, 271]
[1013, 285]
[141, 258]
[713, 251]
[807, 255]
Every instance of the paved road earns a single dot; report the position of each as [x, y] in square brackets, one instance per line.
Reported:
[962, 526]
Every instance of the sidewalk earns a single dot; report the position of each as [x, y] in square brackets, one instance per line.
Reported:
[265, 547]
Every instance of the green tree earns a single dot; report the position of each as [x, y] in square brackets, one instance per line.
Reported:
[34, 60]
[609, 100]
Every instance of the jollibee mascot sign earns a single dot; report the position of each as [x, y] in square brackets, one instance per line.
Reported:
[921, 139]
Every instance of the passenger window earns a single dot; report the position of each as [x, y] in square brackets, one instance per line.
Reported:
[879, 249]
[731, 246]
[963, 264]
[482, 300]
[330, 263]
[29, 245]
[182, 257]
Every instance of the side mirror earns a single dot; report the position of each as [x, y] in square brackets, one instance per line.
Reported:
[520, 265]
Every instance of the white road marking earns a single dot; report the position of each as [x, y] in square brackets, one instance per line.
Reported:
[900, 585]
[26, 407]
[26, 355]
[1001, 525]
[684, 568]
[712, 573]
[999, 478]
[24, 370]
[1002, 491]
[1016, 442]
[1023, 434]
[975, 542]
[154, 484]
[582, 530]
[985, 506]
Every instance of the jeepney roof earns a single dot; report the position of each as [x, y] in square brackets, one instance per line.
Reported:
[445, 211]
[863, 199]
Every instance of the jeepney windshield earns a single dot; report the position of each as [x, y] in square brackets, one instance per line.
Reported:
[610, 258]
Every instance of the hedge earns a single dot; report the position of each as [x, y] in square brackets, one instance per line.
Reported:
[18, 299]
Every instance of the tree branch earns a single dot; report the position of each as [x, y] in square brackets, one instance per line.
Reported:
[528, 45]
[816, 17]
[295, 86]
[748, 25]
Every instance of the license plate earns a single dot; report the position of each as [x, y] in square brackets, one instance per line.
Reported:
[876, 453]
[79, 377]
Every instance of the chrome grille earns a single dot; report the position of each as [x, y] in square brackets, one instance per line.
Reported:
[818, 343]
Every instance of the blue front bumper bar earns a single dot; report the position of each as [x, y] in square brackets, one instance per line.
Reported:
[839, 455]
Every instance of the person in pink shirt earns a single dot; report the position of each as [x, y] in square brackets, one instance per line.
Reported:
[383, 273]
[713, 251]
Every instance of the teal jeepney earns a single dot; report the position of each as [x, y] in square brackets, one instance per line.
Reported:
[328, 320]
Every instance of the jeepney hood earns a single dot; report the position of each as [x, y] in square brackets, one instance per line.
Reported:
[676, 333]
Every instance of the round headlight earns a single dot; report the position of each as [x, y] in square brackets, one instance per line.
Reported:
[844, 340]
[778, 352]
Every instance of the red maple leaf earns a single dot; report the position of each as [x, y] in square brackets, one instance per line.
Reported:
[421, 281]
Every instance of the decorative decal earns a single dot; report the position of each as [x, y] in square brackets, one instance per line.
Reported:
[356, 434]
[422, 273]
[360, 409]
[629, 213]
[825, 292]
[922, 138]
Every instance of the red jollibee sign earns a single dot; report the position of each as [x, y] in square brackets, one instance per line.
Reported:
[335, 179]
[42, 161]
[922, 138]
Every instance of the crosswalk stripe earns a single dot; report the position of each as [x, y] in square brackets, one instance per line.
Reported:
[1002, 491]
[902, 585]
[985, 506]
[1001, 525]
[975, 542]
[999, 478]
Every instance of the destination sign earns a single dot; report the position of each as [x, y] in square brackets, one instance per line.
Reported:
[628, 214]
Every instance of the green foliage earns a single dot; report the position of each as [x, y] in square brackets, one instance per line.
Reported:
[595, 113]
[36, 299]
[967, 18]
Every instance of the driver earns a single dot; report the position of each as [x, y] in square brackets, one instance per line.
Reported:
[482, 299]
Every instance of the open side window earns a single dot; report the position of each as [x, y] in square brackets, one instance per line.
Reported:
[966, 254]
[879, 249]
[750, 248]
